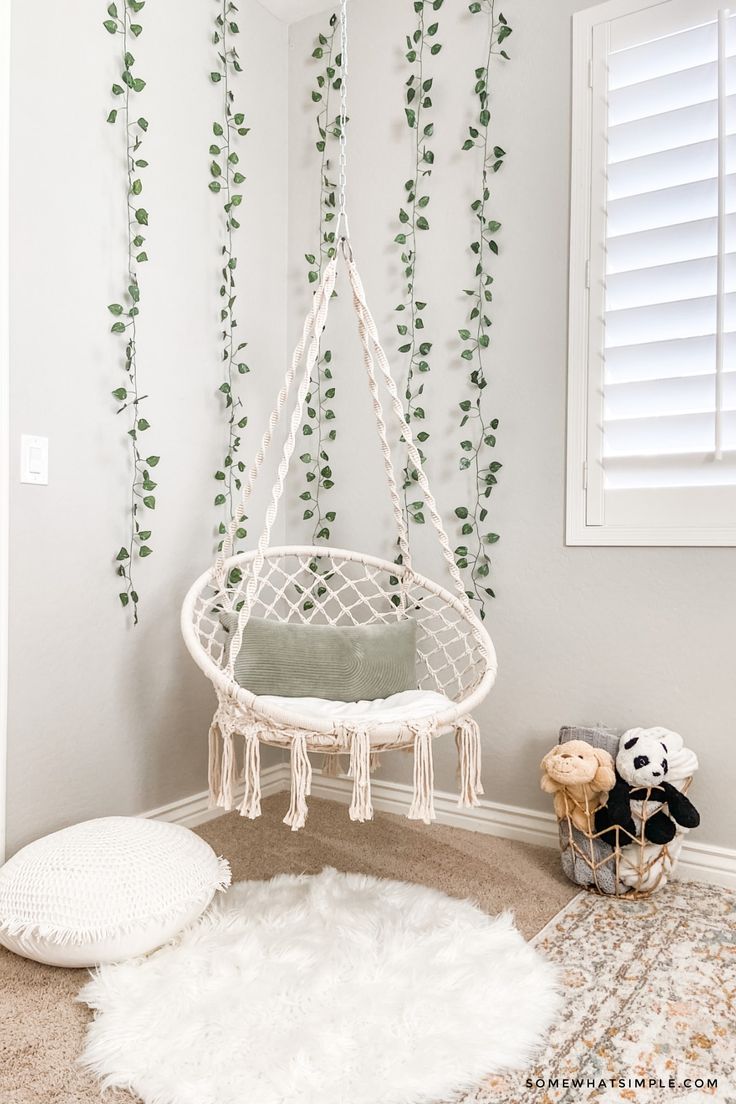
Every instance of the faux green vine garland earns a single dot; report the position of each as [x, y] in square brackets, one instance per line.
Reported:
[225, 177]
[419, 43]
[319, 475]
[129, 397]
[479, 436]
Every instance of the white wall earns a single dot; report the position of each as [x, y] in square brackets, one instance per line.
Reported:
[105, 718]
[629, 636]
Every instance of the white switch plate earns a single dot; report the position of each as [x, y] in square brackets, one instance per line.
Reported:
[34, 459]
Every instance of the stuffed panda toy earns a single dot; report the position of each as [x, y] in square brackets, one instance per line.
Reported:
[647, 764]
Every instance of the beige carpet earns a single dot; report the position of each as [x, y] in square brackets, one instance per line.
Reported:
[42, 1028]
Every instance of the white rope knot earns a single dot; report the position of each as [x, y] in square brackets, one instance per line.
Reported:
[251, 805]
[361, 807]
[467, 741]
[422, 806]
[301, 783]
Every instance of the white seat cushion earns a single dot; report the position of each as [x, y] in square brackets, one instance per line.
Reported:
[106, 890]
[409, 705]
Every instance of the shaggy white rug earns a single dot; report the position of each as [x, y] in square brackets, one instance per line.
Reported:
[325, 989]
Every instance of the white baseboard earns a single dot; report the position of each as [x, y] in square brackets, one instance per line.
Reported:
[699, 862]
[194, 810]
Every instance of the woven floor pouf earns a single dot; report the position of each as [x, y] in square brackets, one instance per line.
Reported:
[106, 890]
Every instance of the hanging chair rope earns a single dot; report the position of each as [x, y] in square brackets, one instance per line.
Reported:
[326, 289]
[368, 329]
[373, 355]
[274, 418]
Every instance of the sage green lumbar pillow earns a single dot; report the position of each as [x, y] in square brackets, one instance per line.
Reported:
[340, 663]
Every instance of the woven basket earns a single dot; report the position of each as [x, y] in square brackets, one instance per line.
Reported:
[634, 869]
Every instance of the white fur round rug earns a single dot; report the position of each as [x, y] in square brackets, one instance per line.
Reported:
[324, 989]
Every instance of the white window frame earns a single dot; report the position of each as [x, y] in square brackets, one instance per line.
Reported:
[4, 397]
[585, 521]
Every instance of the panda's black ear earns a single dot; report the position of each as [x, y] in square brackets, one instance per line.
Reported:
[630, 743]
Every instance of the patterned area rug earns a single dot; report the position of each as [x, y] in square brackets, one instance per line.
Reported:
[651, 1004]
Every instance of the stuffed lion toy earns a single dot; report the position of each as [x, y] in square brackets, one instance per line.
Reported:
[579, 776]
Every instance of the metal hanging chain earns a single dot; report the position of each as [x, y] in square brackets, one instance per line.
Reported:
[342, 218]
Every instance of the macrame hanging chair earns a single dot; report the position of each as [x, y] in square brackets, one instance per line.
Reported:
[319, 585]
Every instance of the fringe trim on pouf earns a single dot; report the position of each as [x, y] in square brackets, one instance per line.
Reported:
[375, 761]
[422, 806]
[251, 806]
[301, 783]
[361, 807]
[467, 741]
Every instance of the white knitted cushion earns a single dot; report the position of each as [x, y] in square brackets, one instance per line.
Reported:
[106, 890]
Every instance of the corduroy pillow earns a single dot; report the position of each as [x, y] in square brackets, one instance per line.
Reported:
[336, 662]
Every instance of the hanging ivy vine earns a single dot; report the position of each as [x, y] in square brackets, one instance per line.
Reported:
[478, 428]
[319, 428]
[225, 179]
[128, 396]
[420, 45]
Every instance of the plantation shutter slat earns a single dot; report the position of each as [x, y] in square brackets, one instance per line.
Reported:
[669, 304]
[666, 244]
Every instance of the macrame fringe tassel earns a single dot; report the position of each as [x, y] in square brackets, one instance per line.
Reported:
[251, 806]
[331, 766]
[422, 806]
[467, 740]
[301, 784]
[213, 766]
[361, 807]
[227, 770]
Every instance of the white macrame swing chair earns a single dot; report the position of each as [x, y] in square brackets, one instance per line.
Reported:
[319, 585]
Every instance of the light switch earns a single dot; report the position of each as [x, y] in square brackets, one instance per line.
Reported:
[34, 459]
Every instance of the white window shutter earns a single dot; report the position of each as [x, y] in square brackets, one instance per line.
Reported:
[658, 405]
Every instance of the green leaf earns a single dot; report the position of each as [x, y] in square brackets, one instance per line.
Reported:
[144, 551]
[141, 216]
[152, 461]
[143, 424]
[115, 308]
[117, 327]
[461, 512]
[122, 554]
[422, 223]
[110, 25]
[120, 393]
[215, 77]
[111, 119]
